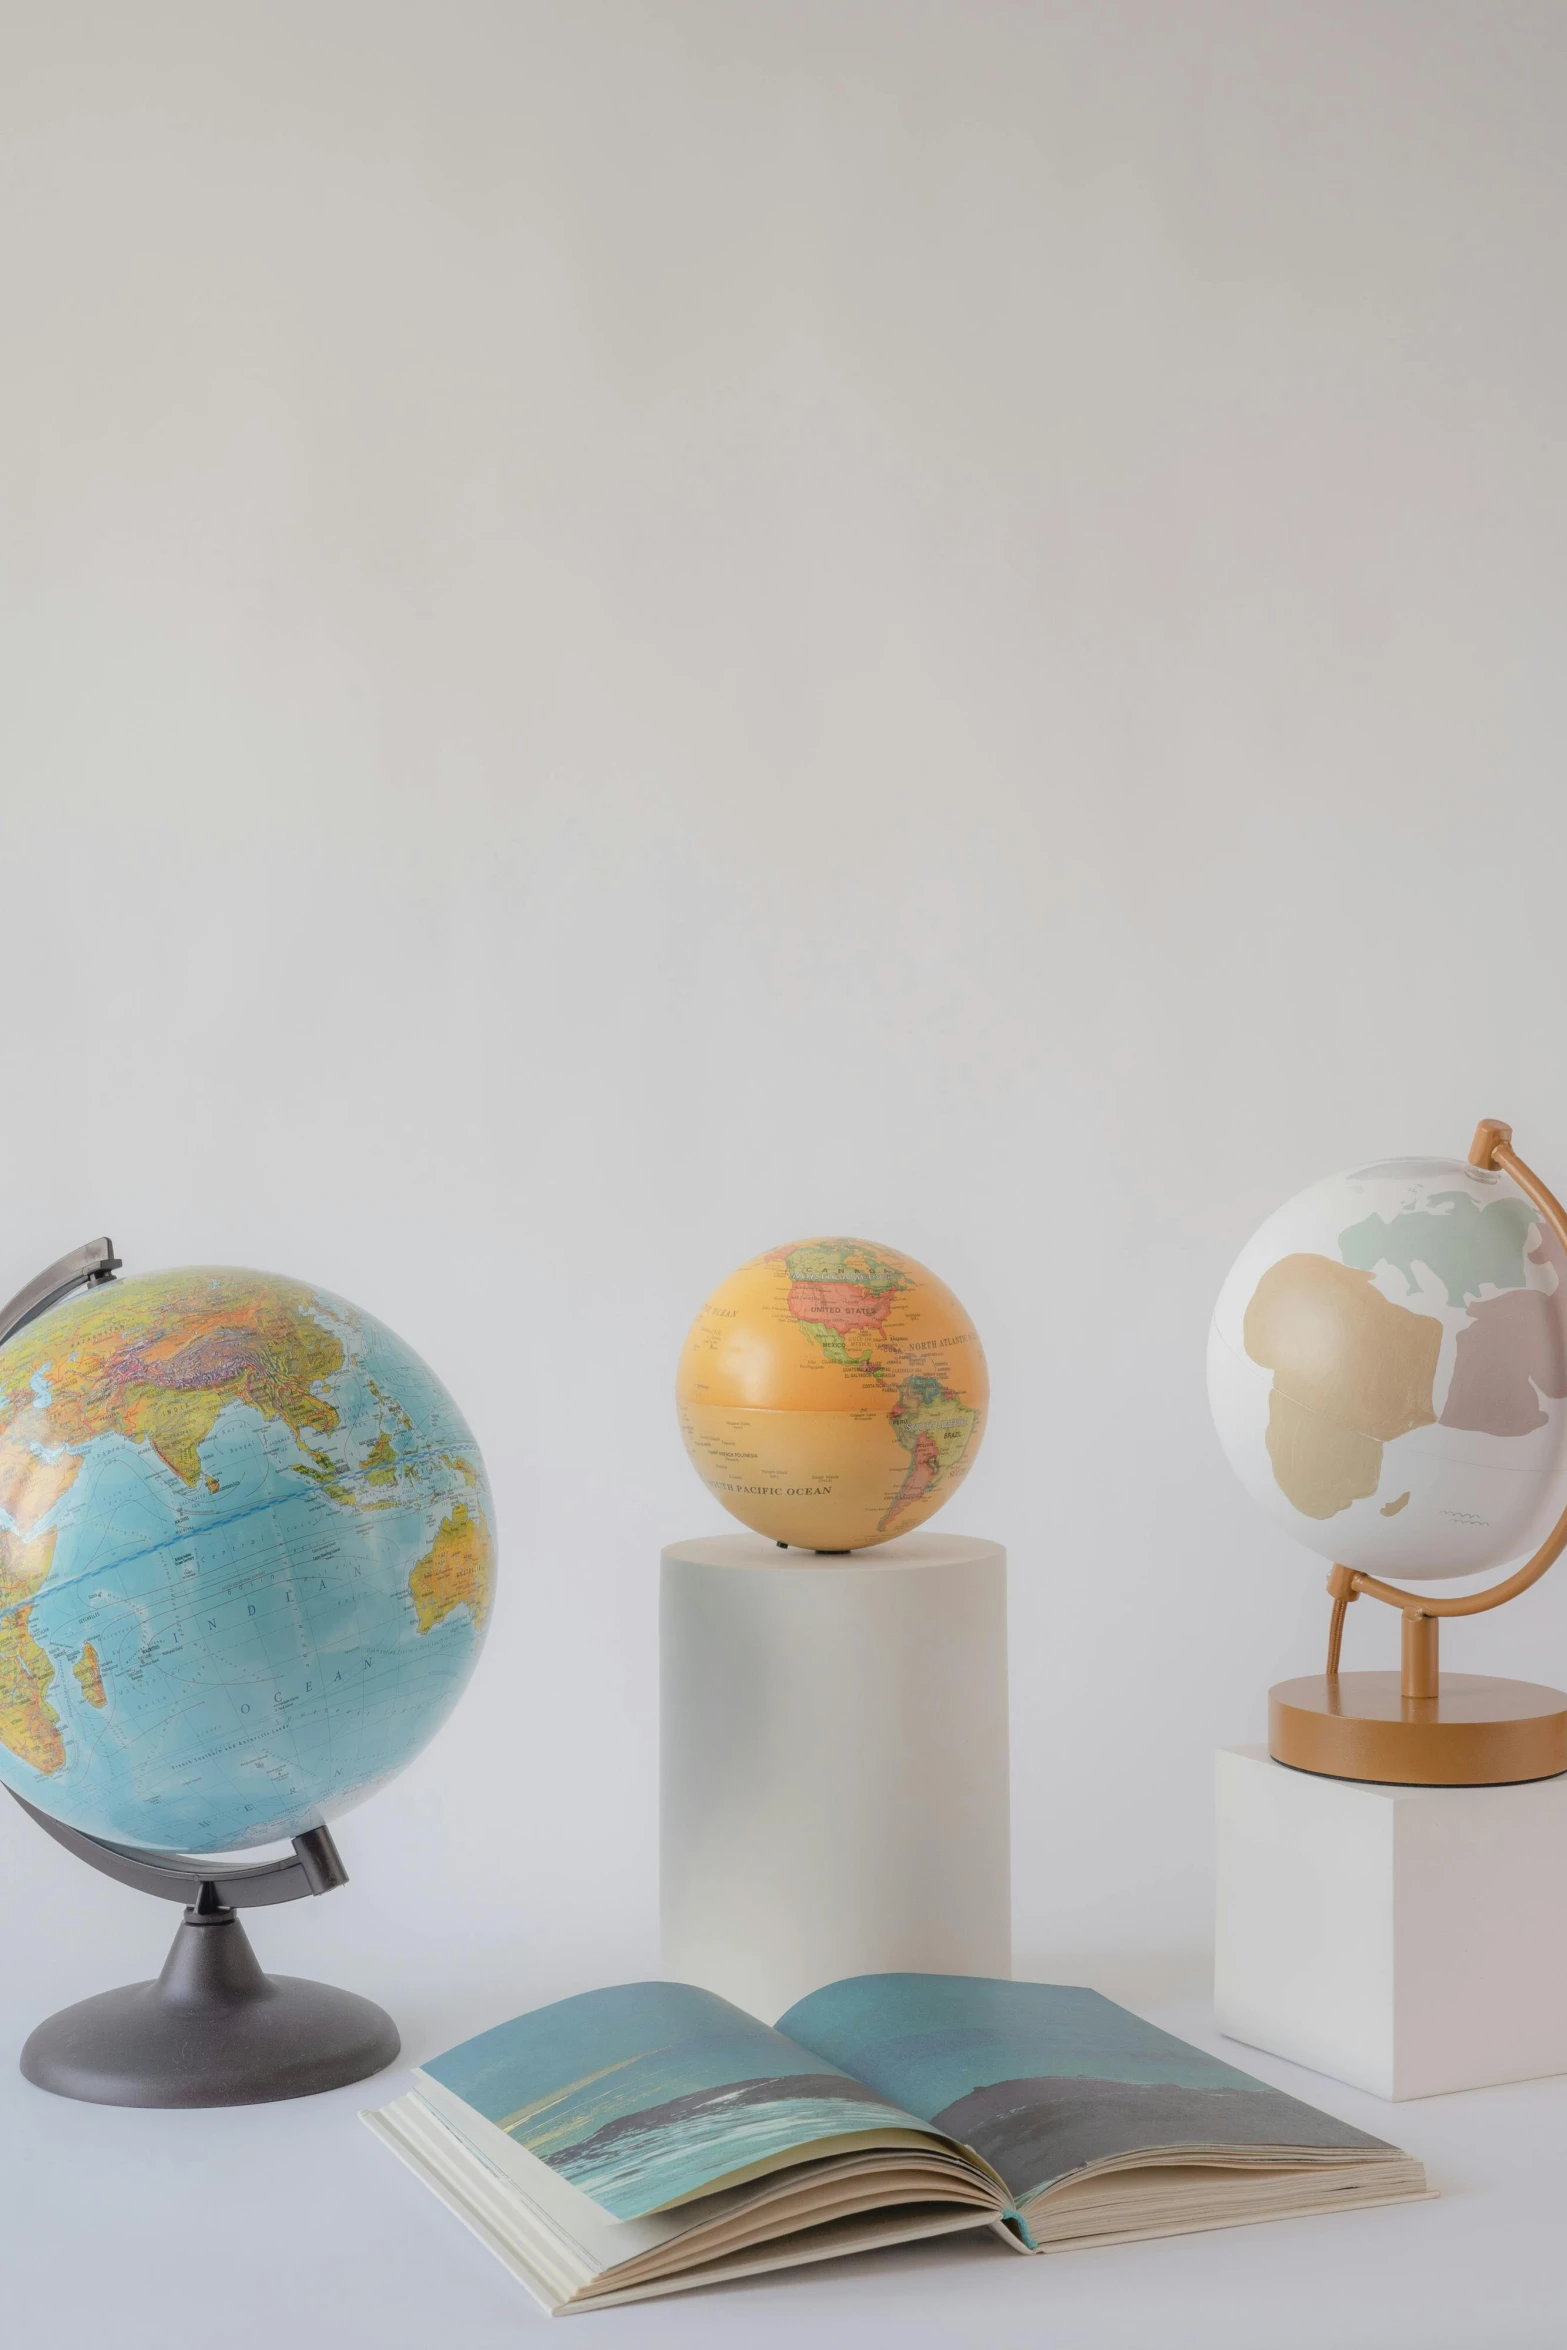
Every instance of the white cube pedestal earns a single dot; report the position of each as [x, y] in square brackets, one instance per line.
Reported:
[834, 1764]
[1408, 1940]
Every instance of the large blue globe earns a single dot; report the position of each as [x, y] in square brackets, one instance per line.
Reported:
[246, 1559]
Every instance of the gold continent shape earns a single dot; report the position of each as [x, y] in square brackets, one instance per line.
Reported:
[832, 1394]
[1350, 1372]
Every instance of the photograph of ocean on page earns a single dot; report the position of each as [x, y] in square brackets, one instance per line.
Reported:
[649, 2093]
[1043, 2080]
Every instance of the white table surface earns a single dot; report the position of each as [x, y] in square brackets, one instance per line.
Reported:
[288, 2223]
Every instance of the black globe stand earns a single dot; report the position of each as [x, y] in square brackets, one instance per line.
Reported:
[213, 2029]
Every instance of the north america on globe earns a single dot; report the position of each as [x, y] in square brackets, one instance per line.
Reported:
[247, 1558]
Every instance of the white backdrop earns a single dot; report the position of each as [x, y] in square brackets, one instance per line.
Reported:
[631, 631]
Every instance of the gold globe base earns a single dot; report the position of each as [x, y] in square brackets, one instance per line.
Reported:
[1476, 1731]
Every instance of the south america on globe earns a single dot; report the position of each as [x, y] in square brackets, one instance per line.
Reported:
[832, 1394]
[1387, 1368]
[247, 1559]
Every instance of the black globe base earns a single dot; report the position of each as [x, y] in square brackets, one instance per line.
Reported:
[212, 2030]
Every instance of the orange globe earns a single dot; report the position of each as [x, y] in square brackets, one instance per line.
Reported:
[832, 1394]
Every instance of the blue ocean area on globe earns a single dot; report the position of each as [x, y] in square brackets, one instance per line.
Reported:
[247, 1559]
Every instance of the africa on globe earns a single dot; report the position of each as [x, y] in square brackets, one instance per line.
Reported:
[1387, 1368]
[246, 1559]
[832, 1394]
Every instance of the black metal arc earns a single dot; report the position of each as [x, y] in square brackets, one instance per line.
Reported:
[85, 1267]
[314, 1866]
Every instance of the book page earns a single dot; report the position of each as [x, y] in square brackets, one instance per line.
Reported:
[585, 2231]
[503, 2224]
[1041, 2079]
[647, 2094]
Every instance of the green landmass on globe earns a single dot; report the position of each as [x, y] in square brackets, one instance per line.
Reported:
[246, 1558]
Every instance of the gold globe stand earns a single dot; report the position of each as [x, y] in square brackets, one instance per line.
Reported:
[1417, 1728]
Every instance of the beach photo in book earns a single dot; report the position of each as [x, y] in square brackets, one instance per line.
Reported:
[652, 2137]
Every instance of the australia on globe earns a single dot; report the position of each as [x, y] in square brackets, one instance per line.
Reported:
[832, 1394]
[1387, 1368]
[246, 1559]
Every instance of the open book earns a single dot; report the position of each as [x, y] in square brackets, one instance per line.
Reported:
[653, 2137]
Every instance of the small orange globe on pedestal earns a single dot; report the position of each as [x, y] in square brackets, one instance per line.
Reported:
[832, 1394]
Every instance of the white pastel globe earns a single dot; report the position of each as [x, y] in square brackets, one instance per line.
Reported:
[1387, 1369]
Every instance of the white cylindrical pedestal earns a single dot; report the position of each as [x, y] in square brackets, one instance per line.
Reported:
[834, 1765]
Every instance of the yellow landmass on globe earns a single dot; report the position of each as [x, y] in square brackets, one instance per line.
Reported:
[832, 1393]
[156, 1359]
[30, 1485]
[29, 1725]
[89, 1676]
[380, 1462]
[1350, 1373]
[458, 1570]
